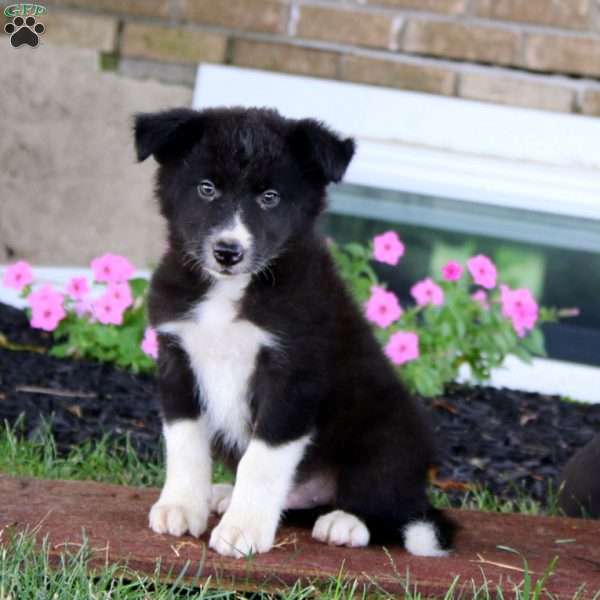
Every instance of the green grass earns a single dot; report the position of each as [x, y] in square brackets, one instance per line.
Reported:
[116, 461]
[26, 571]
[106, 460]
[111, 461]
[483, 499]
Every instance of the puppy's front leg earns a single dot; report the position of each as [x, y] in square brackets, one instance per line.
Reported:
[184, 501]
[264, 477]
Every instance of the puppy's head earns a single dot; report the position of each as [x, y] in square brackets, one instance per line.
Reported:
[238, 185]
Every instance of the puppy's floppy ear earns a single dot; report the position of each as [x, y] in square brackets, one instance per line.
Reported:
[325, 151]
[167, 134]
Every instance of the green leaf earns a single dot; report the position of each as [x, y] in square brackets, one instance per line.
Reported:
[138, 286]
[535, 343]
[522, 354]
[59, 350]
[355, 250]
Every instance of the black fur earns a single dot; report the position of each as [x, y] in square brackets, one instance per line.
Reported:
[332, 379]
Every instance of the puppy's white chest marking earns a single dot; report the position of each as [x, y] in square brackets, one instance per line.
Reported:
[222, 350]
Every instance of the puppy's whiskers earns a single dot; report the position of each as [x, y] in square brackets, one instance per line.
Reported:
[266, 270]
[263, 268]
[191, 261]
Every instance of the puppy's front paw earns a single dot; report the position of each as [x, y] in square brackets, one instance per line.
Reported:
[220, 497]
[176, 519]
[242, 534]
[341, 529]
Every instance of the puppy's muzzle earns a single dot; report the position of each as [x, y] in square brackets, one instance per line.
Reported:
[228, 253]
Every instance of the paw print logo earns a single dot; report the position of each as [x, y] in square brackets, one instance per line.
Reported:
[24, 31]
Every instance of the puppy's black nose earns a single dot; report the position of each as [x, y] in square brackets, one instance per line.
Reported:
[228, 253]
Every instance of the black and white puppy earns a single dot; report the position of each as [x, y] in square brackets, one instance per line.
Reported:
[264, 357]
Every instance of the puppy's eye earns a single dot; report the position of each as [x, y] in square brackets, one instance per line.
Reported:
[207, 189]
[269, 199]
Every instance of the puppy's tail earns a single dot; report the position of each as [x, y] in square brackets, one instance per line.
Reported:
[431, 535]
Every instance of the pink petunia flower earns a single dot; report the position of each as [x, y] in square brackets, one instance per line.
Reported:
[18, 275]
[149, 344]
[387, 248]
[112, 268]
[382, 307]
[452, 271]
[107, 311]
[520, 307]
[483, 271]
[78, 287]
[121, 294]
[427, 292]
[481, 297]
[84, 307]
[402, 347]
[44, 296]
[47, 314]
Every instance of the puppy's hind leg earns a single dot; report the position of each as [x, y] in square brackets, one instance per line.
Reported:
[341, 528]
[394, 509]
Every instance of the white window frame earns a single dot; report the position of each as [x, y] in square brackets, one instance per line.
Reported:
[422, 143]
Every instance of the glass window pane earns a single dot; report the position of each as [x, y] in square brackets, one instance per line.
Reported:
[557, 257]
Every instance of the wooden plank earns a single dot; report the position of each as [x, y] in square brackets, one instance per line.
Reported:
[114, 521]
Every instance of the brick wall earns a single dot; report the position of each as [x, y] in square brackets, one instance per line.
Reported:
[533, 53]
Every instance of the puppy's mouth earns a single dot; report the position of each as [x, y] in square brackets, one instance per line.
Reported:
[222, 272]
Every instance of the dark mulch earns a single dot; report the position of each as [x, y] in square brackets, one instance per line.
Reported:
[96, 398]
[506, 440]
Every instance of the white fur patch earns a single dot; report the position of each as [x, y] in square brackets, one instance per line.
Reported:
[341, 529]
[184, 501]
[238, 232]
[264, 478]
[220, 497]
[420, 539]
[222, 350]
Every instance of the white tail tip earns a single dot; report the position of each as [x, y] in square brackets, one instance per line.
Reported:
[420, 539]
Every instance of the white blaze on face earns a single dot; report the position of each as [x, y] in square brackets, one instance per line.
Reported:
[233, 232]
[236, 232]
